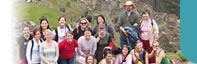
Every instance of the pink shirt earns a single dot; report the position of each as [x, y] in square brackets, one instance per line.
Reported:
[144, 34]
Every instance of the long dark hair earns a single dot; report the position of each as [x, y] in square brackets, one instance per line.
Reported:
[41, 20]
[101, 17]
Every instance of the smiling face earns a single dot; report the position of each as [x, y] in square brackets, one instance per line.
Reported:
[69, 37]
[125, 51]
[48, 35]
[83, 24]
[87, 35]
[26, 30]
[128, 7]
[139, 47]
[44, 24]
[90, 60]
[109, 57]
[100, 20]
[37, 35]
[146, 16]
[62, 21]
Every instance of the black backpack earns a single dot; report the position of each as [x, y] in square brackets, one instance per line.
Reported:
[56, 31]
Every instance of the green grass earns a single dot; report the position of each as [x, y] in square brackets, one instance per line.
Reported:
[33, 11]
[54, 2]
[177, 55]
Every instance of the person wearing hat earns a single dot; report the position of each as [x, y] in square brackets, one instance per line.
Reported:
[102, 39]
[129, 17]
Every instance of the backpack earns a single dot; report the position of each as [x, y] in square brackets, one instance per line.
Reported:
[56, 31]
[141, 61]
[32, 41]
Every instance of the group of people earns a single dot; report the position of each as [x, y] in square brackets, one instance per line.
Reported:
[84, 44]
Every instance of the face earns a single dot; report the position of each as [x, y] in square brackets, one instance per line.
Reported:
[146, 16]
[128, 7]
[44, 24]
[125, 51]
[139, 47]
[109, 57]
[37, 35]
[69, 37]
[83, 24]
[156, 46]
[101, 30]
[90, 60]
[26, 30]
[87, 34]
[48, 36]
[100, 20]
[62, 21]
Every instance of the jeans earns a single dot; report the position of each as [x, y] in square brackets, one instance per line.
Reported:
[67, 61]
[123, 42]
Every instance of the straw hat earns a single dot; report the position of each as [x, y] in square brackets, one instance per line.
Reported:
[129, 3]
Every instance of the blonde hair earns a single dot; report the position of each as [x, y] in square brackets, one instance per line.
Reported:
[47, 31]
[86, 21]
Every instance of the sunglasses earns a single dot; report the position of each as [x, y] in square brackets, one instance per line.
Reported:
[84, 23]
[155, 45]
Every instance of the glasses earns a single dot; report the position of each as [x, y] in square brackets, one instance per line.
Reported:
[155, 45]
[84, 23]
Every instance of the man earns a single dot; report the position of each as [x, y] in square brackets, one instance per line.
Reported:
[129, 17]
[22, 42]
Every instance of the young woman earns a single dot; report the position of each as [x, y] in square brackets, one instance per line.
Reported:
[89, 59]
[101, 20]
[78, 32]
[87, 45]
[67, 49]
[125, 57]
[160, 55]
[108, 56]
[139, 55]
[44, 24]
[49, 51]
[32, 53]
[22, 42]
[59, 33]
[149, 32]
[103, 38]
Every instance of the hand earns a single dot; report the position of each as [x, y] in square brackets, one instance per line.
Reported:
[84, 55]
[126, 34]
[135, 24]
[22, 61]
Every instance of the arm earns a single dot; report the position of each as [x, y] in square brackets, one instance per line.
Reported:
[124, 31]
[94, 45]
[98, 38]
[134, 57]
[156, 30]
[18, 52]
[28, 50]
[79, 49]
[42, 54]
[146, 58]
[70, 27]
[111, 33]
[160, 57]
[56, 52]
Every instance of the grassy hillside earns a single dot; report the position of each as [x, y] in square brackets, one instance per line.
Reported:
[33, 11]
